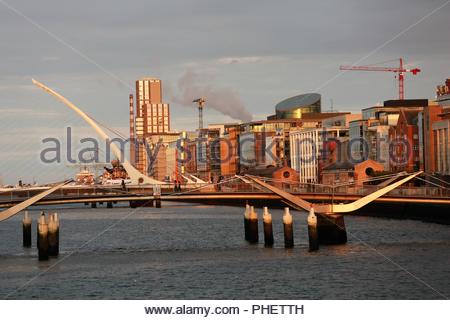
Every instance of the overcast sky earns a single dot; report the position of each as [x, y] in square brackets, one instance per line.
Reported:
[259, 51]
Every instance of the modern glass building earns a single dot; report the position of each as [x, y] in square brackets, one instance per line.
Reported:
[295, 107]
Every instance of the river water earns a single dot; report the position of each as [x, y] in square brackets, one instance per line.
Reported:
[185, 251]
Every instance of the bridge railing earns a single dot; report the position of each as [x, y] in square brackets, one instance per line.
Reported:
[233, 186]
[22, 194]
[429, 192]
[403, 191]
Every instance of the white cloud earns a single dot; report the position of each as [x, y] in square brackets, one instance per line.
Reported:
[26, 112]
[236, 60]
[50, 58]
[17, 87]
[16, 154]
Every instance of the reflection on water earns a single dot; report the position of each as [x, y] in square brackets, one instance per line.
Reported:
[185, 251]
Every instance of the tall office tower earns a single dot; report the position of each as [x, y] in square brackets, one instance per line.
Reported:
[150, 108]
[132, 132]
[152, 118]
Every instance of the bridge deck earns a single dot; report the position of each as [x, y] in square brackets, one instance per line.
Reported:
[220, 198]
[228, 192]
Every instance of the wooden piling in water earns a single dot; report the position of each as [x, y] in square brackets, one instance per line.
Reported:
[157, 195]
[253, 226]
[53, 235]
[94, 205]
[246, 222]
[158, 201]
[313, 234]
[26, 230]
[37, 229]
[42, 238]
[288, 229]
[268, 229]
[109, 204]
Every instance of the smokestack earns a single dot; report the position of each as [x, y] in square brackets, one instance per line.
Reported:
[224, 100]
[132, 137]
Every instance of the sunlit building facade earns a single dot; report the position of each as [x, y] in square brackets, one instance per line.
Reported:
[308, 150]
[441, 132]
[148, 117]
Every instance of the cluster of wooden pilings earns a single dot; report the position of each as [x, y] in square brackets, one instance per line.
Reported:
[47, 234]
[322, 229]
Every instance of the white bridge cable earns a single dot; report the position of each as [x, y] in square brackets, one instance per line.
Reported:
[434, 177]
[330, 186]
[116, 132]
[432, 183]
[371, 179]
[286, 182]
[205, 186]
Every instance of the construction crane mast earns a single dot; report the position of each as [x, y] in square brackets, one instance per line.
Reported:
[201, 104]
[401, 70]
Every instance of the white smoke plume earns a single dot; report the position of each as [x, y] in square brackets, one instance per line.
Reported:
[224, 100]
